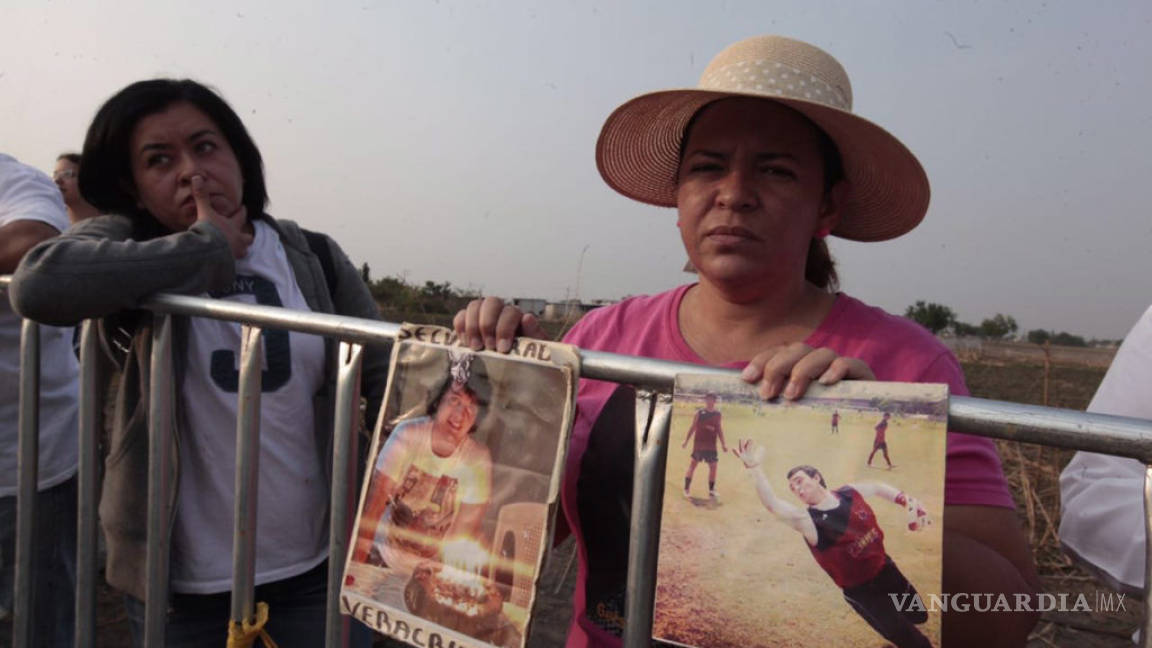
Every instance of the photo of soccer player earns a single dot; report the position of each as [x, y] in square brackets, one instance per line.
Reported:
[460, 492]
[806, 545]
[708, 430]
[846, 541]
[880, 441]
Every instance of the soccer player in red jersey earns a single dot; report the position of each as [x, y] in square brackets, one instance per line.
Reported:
[880, 442]
[706, 426]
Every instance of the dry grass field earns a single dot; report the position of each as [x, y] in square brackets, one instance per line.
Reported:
[1033, 473]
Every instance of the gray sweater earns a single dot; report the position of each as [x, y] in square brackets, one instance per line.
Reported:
[102, 268]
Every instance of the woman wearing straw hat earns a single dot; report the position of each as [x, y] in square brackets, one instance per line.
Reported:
[762, 161]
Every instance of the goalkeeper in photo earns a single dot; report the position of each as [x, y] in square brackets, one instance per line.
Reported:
[841, 531]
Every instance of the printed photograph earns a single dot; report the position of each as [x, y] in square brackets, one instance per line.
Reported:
[814, 522]
[462, 481]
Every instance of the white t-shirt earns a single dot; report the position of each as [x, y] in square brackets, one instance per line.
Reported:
[432, 487]
[1102, 496]
[292, 504]
[28, 194]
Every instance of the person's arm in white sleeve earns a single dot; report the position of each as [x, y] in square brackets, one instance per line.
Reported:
[31, 211]
[1102, 521]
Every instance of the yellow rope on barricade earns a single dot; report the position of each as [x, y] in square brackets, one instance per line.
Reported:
[244, 636]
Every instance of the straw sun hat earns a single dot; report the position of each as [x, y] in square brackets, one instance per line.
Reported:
[638, 152]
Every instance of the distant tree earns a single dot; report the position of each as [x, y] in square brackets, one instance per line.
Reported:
[437, 290]
[394, 292]
[366, 273]
[932, 316]
[432, 298]
[1067, 339]
[1039, 336]
[998, 327]
[964, 329]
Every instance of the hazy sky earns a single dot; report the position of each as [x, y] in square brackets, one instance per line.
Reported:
[453, 141]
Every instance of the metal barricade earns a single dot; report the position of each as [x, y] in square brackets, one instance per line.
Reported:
[654, 380]
[28, 451]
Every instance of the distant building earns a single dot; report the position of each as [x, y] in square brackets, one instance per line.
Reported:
[530, 305]
[571, 309]
[554, 311]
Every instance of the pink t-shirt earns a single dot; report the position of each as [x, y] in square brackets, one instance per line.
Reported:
[597, 488]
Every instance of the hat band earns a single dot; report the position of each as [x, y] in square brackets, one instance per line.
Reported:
[764, 76]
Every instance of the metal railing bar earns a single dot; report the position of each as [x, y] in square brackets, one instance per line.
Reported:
[350, 329]
[161, 415]
[247, 474]
[344, 462]
[28, 451]
[645, 373]
[1122, 436]
[87, 484]
[1102, 433]
[1127, 437]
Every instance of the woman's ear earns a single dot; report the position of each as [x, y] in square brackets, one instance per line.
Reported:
[831, 206]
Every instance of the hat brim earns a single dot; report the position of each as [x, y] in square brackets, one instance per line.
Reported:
[638, 153]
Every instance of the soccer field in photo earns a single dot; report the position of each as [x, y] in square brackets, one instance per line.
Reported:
[732, 574]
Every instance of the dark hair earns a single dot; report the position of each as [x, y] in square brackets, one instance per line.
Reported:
[106, 179]
[481, 401]
[811, 472]
[820, 268]
[74, 158]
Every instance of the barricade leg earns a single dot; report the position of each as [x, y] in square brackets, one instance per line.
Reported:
[161, 413]
[28, 453]
[1146, 628]
[91, 404]
[653, 417]
[344, 456]
[247, 475]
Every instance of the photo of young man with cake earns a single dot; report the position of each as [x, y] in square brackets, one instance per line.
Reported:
[457, 506]
[431, 480]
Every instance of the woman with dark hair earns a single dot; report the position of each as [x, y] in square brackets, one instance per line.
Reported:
[763, 160]
[182, 185]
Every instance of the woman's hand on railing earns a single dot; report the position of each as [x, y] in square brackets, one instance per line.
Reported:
[788, 370]
[489, 323]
